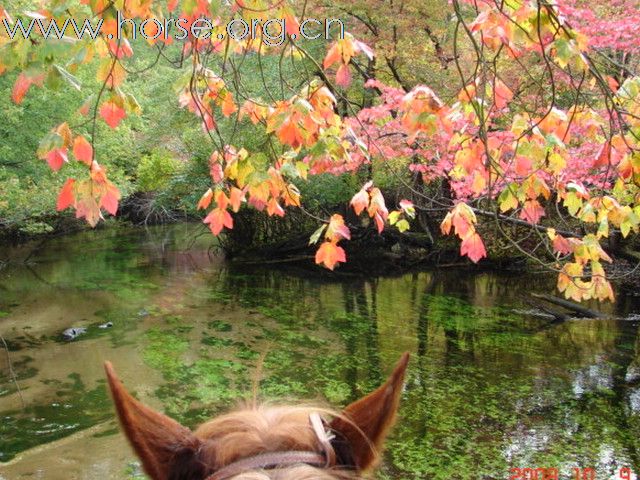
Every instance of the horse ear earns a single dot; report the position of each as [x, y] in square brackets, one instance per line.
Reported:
[159, 441]
[365, 423]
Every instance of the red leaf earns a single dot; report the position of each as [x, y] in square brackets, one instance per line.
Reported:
[343, 75]
[216, 170]
[56, 158]
[83, 150]
[502, 94]
[330, 254]
[112, 113]
[473, 247]
[66, 198]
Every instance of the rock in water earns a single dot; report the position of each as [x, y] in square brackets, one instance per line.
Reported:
[73, 333]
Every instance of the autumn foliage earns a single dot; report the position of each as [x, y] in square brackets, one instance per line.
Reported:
[509, 150]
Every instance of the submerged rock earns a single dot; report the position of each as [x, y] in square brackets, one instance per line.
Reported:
[73, 333]
[106, 325]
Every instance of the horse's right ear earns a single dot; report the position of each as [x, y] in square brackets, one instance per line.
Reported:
[162, 444]
[364, 424]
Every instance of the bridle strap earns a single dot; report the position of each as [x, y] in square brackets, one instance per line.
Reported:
[267, 461]
[270, 460]
[324, 438]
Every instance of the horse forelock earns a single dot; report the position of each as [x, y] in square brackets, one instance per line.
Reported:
[252, 431]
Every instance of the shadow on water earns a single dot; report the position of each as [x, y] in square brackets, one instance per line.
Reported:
[491, 385]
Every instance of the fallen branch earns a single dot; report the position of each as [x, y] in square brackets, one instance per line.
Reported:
[557, 315]
[572, 306]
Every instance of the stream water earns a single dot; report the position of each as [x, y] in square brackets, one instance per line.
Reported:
[491, 386]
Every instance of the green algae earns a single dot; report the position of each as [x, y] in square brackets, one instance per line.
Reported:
[487, 389]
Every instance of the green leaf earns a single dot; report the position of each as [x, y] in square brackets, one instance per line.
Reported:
[316, 235]
[70, 79]
[403, 225]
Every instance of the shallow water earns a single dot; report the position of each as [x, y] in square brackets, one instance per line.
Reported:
[491, 386]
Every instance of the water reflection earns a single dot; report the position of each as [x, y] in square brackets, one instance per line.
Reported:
[490, 386]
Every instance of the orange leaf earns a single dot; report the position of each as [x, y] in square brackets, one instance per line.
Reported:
[236, 197]
[66, 198]
[562, 245]
[228, 106]
[112, 113]
[379, 222]
[333, 55]
[377, 204]
[218, 219]
[330, 254]
[83, 150]
[274, 208]
[205, 200]
[56, 158]
[109, 200]
[20, 88]
[532, 211]
[360, 201]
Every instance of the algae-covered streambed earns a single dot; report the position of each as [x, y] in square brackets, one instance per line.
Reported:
[490, 386]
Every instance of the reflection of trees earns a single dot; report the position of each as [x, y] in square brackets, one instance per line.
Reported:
[486, 386]
[361, 315]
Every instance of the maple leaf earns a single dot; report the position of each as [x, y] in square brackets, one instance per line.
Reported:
[66, 198]
[343, 75]
[22, 85]
[333, 55]
[215, 169]
[87, 208]
[360, 201]
[236, 197]
[377, 208]
[56, 158]
[560, 244]
[274, 208]
[109, 201]
[228, 106]
[205, 200]
[532, 211]
[337, 230]
[20, 88]
[82, 150]
[330, 254]
[502, 94]
[218, 219]
[473, 247]
[112, 113]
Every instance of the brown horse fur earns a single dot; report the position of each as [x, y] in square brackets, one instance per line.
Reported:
[169, 451]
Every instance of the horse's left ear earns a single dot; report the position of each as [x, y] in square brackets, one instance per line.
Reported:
[364, 424]
[159, 441]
